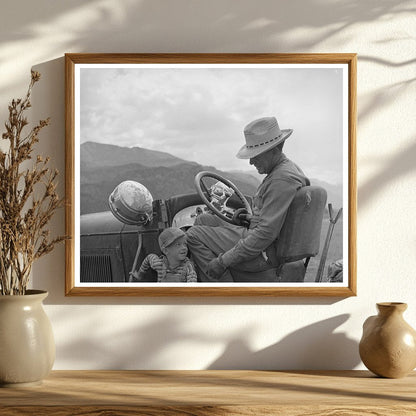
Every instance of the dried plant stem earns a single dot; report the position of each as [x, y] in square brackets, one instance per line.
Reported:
[24, 216]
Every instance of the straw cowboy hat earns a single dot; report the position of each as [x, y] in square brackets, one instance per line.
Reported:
[262, 135]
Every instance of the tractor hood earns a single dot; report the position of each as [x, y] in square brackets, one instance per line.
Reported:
[100, 223]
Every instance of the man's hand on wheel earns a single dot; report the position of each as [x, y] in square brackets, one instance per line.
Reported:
[242, 217]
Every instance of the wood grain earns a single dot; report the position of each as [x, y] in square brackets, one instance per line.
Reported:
[212, 58]
[253, 291]
[213, 393]
[72, 59]
[352, 175]
[69, 174]
[210, 411]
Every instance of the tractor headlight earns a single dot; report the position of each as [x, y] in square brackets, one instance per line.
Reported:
[131, 203]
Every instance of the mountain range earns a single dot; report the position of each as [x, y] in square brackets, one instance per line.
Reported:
[104, 166]
[97, 155]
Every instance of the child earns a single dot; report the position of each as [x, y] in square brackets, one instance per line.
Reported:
[173, 265]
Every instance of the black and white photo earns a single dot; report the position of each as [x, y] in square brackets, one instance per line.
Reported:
[211, 175]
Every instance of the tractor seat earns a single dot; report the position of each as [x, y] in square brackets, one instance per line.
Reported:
[298, 241]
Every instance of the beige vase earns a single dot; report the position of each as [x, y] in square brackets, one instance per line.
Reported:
[27, 347]
[388, 345]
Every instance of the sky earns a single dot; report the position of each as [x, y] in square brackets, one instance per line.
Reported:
[199, 113]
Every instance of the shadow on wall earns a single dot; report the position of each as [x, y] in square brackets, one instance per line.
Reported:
[394, 168]
[242, 26]
[48, 100]
[131, 26]
[152, 345]
[146, 346]
[314, 347]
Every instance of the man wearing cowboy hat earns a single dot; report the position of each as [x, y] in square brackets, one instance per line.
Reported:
[216, 246]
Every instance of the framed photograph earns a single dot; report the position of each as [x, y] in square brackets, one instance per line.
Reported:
[211, 174]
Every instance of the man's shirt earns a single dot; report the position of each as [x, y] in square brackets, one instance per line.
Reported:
[270, 205]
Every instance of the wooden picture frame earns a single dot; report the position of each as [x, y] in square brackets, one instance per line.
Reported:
[316, 92]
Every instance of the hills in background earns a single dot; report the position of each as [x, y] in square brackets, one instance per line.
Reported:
[98, 154]
[104, 166]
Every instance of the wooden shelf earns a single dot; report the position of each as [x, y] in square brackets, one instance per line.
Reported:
[203, 393]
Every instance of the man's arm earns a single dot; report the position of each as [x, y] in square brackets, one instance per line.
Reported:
[276, 199]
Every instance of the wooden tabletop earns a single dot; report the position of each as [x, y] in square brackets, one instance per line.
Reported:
[202, 393]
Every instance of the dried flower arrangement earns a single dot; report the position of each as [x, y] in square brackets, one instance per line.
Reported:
[28, 199]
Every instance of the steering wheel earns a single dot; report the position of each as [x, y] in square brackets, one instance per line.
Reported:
[219, 209]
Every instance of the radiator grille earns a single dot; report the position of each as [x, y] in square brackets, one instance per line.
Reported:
[96, 268]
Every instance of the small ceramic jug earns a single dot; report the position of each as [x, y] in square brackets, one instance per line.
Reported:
[388, 345]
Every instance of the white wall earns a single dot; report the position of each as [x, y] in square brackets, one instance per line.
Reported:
[201, 333]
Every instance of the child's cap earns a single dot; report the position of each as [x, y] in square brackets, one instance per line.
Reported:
[169, 235]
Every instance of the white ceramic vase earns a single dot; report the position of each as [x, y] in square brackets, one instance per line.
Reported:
[27, 346]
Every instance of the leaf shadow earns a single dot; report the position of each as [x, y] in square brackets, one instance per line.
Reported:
[313, 347]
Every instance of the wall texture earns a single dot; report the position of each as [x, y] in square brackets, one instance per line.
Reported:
[203, 333]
